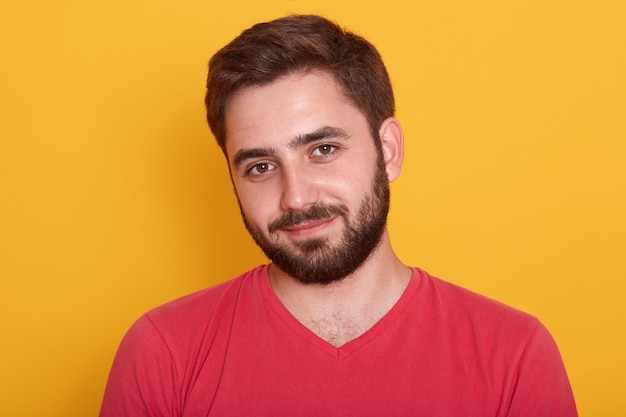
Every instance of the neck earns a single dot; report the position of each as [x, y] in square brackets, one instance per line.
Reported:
[343, 310]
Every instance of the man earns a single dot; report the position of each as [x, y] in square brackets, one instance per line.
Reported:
[336, 325]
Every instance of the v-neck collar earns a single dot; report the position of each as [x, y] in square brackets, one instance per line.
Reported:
[355, 344]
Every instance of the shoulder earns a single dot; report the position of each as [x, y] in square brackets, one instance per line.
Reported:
[194, 314]
[466, 314]
[204, 303]
[166, 346]
[454, 299]
[511, 347]
[484, 329]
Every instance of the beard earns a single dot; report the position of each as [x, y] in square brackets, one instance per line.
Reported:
[317, 261]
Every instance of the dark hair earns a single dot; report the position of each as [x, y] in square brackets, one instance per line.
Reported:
[300, 43]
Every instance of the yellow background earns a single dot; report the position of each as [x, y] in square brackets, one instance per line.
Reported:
[115, 198]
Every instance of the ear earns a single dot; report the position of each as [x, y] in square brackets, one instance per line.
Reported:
[392, 141]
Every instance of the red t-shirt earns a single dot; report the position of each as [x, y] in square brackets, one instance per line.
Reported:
[234, 350]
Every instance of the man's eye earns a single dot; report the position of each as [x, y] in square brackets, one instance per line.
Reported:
[260, 168]
[324, 150]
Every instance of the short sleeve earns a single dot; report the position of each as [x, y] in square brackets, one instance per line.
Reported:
[541, 387]
[142, 381]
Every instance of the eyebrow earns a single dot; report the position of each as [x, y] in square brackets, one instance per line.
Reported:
[324, 133]
[245, 154]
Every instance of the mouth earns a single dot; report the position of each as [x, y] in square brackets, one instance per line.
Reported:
[308, 228]
[305, 224]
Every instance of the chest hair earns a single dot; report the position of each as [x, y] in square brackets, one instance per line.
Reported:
[338, 330]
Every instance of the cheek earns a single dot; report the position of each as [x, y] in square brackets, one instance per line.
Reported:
[349, 180]
[257, 203]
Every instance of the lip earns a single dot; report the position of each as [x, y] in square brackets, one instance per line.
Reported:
[308, 228]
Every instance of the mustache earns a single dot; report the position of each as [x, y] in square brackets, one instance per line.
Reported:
[315, 212]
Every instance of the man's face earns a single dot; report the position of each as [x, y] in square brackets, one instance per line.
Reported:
[311, 184]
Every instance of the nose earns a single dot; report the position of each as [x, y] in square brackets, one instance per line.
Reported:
[299, 189]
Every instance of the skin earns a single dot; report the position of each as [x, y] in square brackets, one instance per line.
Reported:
[299, 142]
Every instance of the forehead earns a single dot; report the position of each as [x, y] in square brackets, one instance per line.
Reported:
[292, 105]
